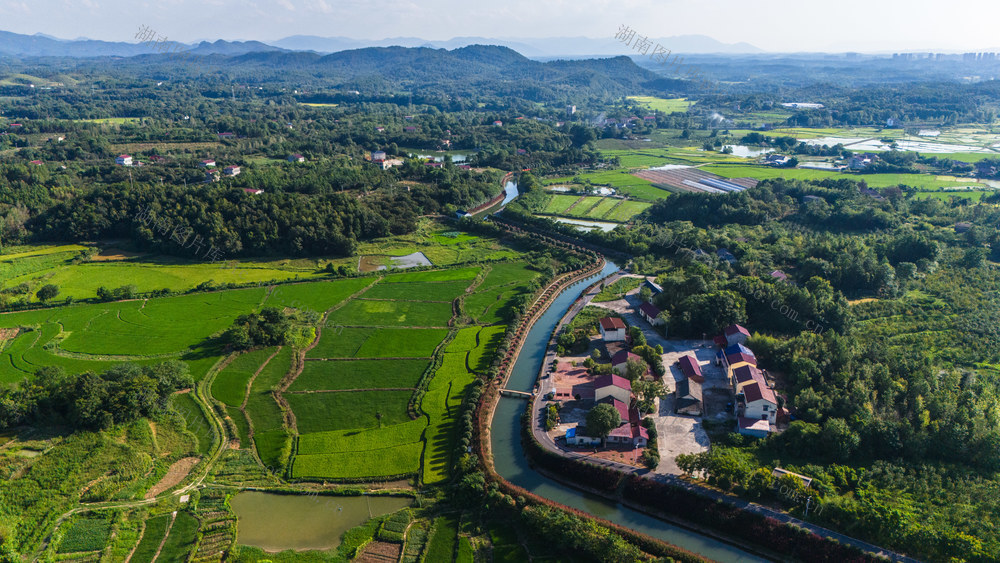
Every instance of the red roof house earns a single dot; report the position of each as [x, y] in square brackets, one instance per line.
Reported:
[690, 368]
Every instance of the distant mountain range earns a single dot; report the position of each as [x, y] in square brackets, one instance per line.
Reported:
[573, 47]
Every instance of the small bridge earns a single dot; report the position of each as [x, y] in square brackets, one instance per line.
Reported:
[516, 394]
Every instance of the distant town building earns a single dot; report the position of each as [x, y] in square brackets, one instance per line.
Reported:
[124, 160]
[296, 158]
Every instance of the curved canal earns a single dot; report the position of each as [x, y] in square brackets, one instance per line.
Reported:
[508, 454]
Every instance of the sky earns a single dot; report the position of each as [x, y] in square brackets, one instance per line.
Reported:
[805, 25]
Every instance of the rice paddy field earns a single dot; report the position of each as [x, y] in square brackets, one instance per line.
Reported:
[591, 207]
[666, 105]
[353, 399]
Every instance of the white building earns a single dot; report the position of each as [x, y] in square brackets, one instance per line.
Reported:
[612, 329]
[124, 160]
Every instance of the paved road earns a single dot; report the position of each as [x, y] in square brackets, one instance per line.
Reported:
[539, 403]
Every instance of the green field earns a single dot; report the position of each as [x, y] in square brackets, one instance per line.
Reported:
[230, 385]
[434, 275]
[418, 291]
[344, 410]
[81, 281]
[319, 296]
[86, 534]
[359, 374]
[195, 420]
[666, 105]
[373, 462]
[337, 342]
[360, 312]
[156, 528]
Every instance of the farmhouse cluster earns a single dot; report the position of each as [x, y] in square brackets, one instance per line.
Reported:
[212, 172]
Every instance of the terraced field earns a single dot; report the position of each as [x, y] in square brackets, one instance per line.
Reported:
[591, 207]
[354, 398]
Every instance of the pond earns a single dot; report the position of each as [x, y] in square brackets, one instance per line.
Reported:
[587, 225]
[748, 152]
[276, 522]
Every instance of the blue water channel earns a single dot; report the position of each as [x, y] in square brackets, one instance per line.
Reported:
[508, 453]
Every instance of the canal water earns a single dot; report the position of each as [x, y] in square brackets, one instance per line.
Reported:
[276, 522]
[508, 453]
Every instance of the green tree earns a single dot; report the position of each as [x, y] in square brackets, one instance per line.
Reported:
[48, 291]
[601, 420]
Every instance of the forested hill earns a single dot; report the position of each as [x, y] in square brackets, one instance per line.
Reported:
[475, 64]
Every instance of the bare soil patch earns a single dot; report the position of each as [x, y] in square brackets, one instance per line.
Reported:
[380, 551]
[177, 472]
[113, 255]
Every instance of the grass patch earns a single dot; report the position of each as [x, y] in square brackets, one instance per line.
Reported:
[361, 440]
[618, 289]
[194, 420]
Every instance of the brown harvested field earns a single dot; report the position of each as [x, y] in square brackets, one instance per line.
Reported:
[370, 263]
[693, 180]
[177, 472]
[114, 254]
[8, 333]
[380, 552]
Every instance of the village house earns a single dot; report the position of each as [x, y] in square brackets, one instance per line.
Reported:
[36, 162]
[745, 375]
[757, 401]
[689, 367]
[296, 158]
[498, 123]
[613, 386]
[124, 160]
[253, 191]
[378, 156]
[231, 170]
[410, 129]
[653, 286]
[688, 397]
[737, 360]
[725, 255]
[753, 427]
[619, 361]
[612, 329]
[651, 313]
[390, 162]
[380, 129]
[776, 160]
[736, 334]
[779, 275]
[629, 432]
[211, 176]
[207, 163]
[811, 198]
